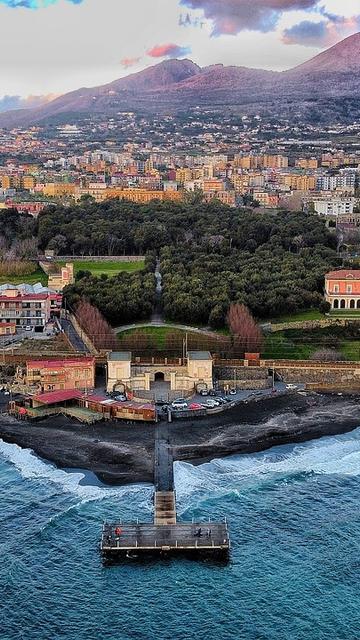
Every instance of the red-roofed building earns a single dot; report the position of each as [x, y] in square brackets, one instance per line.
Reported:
[28, 306]
[61, 375]
[342, 289]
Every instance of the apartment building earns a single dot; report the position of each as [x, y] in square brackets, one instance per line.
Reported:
[28, 305]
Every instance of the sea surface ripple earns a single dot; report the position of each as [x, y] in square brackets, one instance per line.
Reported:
[294, 519]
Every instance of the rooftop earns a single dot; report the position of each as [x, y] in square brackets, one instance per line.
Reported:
[52, 364]
[199, 355]
[351, 274]
[53, 397]
[26, 289]
[120, 356]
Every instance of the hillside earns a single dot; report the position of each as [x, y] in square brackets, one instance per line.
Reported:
[174, 85]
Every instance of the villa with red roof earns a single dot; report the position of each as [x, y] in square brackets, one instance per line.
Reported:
[342, 289]
[62, 375]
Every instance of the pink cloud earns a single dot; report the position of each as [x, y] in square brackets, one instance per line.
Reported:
[129, 62]
[170, 50]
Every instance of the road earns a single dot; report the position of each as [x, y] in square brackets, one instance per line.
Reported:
[161, 323]
[73, 336]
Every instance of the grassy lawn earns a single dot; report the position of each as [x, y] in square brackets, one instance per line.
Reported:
[351, 349]
[280, 347]
[111, 268]
[158, 334]
[347, 313]
[32, 278]
[302, 316]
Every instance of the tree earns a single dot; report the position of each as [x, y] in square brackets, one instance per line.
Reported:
[247, 335]
[95, 326]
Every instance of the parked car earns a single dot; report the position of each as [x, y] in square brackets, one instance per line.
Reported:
[28, 328]
[179, 403]
[204, 392]
[232, 391]
[221, 400]
[195, 405]
[121, 397]
[165, 408]
[291, 386]
[212, 392]
[211, 404]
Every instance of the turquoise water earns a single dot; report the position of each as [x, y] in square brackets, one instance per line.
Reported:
[294, 571]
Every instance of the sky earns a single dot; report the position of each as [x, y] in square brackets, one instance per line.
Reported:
[49, 47]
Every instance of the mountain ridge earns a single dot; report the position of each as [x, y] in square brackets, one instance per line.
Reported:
[173, 85]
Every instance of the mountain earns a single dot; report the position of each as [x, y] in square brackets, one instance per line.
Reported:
[343, 57]
[326, 86]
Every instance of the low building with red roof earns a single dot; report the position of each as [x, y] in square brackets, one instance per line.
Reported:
[61, 375]
[342, 289]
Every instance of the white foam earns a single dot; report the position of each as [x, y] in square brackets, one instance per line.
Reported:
[31, 467]
[329, 455]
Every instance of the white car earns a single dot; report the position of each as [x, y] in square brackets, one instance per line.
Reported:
[179, 403]
[28, 328]
[291, 386]
[211, 404]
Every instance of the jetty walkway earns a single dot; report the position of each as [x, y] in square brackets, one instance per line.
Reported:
[166, 536]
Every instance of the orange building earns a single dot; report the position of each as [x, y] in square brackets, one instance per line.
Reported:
[135, 195]
[60, 375]
[342, 289]
[7, 328]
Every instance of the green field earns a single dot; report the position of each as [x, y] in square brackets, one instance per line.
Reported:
[157, 334]
[32, 278]
[302, 316]
[110, 268]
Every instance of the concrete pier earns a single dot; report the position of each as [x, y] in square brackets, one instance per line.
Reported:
[166, 536]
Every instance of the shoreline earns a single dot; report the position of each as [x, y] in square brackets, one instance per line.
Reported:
[122, 454]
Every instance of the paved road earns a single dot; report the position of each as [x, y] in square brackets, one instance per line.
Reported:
[159, 323]
[73, 336]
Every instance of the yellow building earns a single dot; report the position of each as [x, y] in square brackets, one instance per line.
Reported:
[307, 163]
[59, 280]
[28, 182]
[141, 196]
[300, 183]
[124, 375]
[59, 189]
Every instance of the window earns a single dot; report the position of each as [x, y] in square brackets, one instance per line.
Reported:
[336, 288]
[348, 288]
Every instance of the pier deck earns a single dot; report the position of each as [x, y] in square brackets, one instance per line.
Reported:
[166, 536]
[160, 539]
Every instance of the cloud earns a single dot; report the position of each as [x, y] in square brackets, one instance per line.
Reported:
[168, 51]
[321, 34]
[126, 63]
[9, 103]
[32, 4]
[232, 16]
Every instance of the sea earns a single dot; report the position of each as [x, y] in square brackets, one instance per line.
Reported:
[294, 572]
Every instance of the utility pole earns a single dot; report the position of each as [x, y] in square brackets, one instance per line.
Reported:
[273, 376]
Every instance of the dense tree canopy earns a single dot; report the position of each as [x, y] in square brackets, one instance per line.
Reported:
[211, 255]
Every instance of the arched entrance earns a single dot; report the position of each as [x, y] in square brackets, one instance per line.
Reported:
[342, 304]
[352, 304]
[119, 387]
[159, 376]
[336, 303]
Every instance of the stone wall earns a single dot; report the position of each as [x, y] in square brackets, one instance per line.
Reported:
[243, 377]
[322, 374]
[311, 324]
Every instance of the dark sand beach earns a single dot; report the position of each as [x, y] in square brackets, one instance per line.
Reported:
[121, 453]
